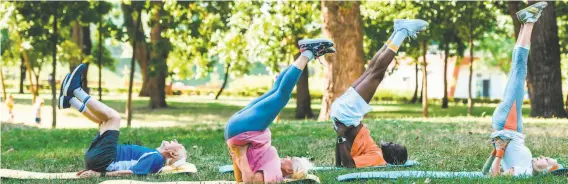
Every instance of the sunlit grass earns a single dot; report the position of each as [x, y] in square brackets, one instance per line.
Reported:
[448, 141]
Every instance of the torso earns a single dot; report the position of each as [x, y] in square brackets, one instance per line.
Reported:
[261, 155]
[519, 157]
[364, 150]
[128, 155]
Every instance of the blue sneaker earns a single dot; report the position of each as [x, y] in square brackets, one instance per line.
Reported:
[64, 100]
[531, 13]
[74, 80]
[319, 47]
[412, 26]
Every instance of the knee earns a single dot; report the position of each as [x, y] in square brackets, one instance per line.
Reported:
[378, 74]
[113, 116]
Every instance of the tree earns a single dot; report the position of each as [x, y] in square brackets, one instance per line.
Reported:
[133, 41]
[444, 32]
[190, 56]
[472, 25]
[281, 46]
[152, 55]
[424, 95]
[6, 10]
[378, 19]
[83, 14]
[343, 24]
[239, 46]
[544, 80]
[54, 65]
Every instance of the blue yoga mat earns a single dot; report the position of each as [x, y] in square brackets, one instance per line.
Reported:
[409, 163]
[408, 174]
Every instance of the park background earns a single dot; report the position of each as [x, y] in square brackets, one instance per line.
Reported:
[188, 66]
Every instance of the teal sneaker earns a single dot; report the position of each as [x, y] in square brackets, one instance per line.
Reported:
[411, 26]
[531, 13]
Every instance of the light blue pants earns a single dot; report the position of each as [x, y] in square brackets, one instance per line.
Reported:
[260, 113]
[514, 92]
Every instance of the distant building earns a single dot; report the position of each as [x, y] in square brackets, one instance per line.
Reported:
[487, 82]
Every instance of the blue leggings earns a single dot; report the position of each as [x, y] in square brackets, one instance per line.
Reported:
[514, 92]
[260, 113]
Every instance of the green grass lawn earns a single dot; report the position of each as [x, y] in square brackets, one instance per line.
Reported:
[442, 143]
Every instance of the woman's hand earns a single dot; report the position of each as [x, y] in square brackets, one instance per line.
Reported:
[88, 174]
[501, 144]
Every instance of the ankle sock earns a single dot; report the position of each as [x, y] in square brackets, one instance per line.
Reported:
[308, 54]
[528, 47]
[77, 104]
[81, 95]
[397, 38]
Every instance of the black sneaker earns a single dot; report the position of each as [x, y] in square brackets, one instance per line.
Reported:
[319, 47]
[74, 80]
[64, 100]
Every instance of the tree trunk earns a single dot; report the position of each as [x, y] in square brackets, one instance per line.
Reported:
[471, 59]
[142, 53]
[37, 84]
[22, 74]
[424, 80]
[24, 54]
[513, 7]
[81, 35]
[544, 76]
[132, 68]
[54, 71]
[446, 53]
[100, 61]
[87, 48]
[2, 78]
[303, 97]
[343, 24]
[158, 70]
[224, 81]
[421, 92]
[415, 95]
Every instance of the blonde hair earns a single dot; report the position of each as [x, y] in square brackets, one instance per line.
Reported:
[548, 169]
[300, 166]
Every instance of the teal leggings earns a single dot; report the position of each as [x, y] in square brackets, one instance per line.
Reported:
[260, 113]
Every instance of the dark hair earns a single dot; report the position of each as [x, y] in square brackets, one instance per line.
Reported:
[394, 154]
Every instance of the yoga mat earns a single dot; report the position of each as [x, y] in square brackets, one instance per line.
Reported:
[310, 179]
[185, 168]
[408, 174]
[19, 174]
[409, 163]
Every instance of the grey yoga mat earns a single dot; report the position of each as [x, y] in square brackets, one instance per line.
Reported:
[409, 163]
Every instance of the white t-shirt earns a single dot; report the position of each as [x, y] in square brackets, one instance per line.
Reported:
[517, 155]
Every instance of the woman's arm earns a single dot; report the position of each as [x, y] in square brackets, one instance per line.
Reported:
[241, 160]
[496, 166]
[500, 146]
[120, 173]
[91, 173]
[488, 163]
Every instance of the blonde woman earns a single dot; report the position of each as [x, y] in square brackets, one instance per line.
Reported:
[247, 134]
[510, 156]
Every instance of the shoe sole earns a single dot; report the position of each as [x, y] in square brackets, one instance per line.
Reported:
[533, 6]
[422, 28]
[61, 96]
[71, 77]
[319, 40]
